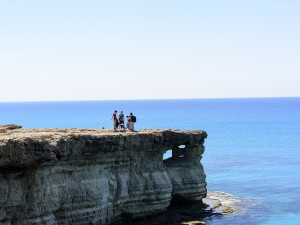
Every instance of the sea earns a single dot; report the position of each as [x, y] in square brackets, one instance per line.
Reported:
[252, 150]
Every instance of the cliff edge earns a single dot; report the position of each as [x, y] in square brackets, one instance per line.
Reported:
[85, 176]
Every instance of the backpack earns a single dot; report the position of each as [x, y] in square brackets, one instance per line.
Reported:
[133, 119]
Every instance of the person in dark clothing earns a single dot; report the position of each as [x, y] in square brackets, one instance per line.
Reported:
[131, 122]
[121, 120]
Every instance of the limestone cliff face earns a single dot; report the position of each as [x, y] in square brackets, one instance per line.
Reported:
[80, 176]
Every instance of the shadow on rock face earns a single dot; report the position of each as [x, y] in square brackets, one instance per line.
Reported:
[178, 213]
[215, 205]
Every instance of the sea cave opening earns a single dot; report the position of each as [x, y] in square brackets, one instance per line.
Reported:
[168, 154]
[177, 151]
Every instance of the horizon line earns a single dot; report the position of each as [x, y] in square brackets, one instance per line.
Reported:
[146, 99]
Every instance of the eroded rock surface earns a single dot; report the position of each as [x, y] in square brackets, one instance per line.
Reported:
[5, 128]
[225, 203]
[82, 176]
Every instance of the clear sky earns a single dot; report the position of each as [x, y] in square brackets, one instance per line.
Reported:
[94, 50]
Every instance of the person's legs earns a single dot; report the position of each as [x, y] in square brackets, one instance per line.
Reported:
[115, 124]
[121, 124]
[131, 126]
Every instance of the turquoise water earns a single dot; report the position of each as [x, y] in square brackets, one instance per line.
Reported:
[252, 150]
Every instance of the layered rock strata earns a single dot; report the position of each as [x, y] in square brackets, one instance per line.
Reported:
[81, 176]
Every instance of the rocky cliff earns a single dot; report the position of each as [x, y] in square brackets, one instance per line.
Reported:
[81, 176]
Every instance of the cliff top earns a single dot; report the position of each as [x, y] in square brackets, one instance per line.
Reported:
[53, 133]
[28, 147]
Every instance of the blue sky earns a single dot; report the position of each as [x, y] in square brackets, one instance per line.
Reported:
[94, 50]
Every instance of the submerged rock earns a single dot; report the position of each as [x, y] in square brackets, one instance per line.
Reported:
[85, 176]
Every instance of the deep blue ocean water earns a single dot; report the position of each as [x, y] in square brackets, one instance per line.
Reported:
[252, 149]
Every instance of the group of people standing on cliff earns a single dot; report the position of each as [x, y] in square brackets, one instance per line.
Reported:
[119, 122]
